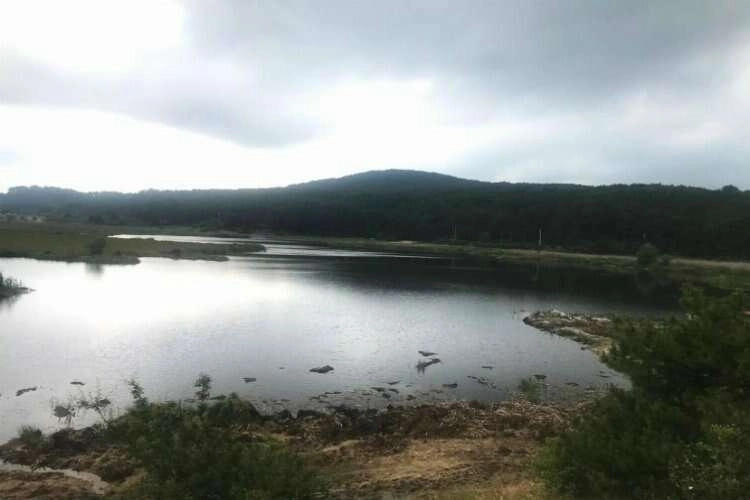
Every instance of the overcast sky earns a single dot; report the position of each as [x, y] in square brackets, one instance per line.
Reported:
[127, 95]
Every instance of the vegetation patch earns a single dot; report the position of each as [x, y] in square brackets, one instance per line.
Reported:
[10, 287]
[91, 244]
[683, 431]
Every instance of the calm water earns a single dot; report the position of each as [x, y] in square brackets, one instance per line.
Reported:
[275, 316]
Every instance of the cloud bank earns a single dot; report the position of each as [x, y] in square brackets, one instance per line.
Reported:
[131, 95]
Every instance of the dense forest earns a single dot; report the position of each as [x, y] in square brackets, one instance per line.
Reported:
[398, 204]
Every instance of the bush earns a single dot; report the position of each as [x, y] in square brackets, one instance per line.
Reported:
[682, 431]
[647, 255]
[9, 283]
[96, 247]
[531, 389]
[709, 468]
[199, 452]
[31, 437]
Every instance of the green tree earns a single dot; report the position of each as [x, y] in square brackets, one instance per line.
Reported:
[647, 255]
[96, 247]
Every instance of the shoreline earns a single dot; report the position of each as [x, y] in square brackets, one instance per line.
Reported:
[92, 244]
[427, 449]
[593, 332]
[6, 293]
[67, 242]
[431, 448]
[720, 274]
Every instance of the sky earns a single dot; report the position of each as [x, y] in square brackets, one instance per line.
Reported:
[129, 95]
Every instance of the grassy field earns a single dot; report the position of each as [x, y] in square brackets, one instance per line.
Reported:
[75, 242]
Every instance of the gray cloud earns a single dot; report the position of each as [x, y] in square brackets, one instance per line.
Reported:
[250, 68]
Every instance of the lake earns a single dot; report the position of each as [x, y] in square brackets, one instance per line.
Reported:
[274, 316]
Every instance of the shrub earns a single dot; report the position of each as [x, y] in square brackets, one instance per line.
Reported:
[96, 247]
[198, 451]
[647, 255]
[711, 468]
[682, 431]
[32, 437]
[9, 283]
[531, 389]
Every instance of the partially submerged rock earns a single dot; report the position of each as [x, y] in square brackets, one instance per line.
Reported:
[21, 392]
[249, 379]
[423, 365]
[427, 354]
[322, 369]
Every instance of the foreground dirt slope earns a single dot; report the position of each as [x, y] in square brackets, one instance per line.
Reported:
[440, 451]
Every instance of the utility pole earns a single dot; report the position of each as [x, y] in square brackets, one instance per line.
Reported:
[539, 248]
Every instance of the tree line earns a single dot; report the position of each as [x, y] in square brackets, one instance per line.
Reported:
[397, 204]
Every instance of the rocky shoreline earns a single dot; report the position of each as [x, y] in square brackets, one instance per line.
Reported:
[594, 332]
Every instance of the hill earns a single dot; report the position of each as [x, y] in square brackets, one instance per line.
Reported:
[402, 204]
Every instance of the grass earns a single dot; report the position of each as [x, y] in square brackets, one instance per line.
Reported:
[531, 389]
[10, 287]
[76, 243]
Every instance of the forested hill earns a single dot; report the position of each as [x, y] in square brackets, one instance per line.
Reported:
[425, 206]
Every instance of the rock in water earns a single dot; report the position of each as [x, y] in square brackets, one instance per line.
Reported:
[322, 369]
[21, 392]
[249, 379]
[422, 365]
[454, 385]
[77, 382]
[426, 354]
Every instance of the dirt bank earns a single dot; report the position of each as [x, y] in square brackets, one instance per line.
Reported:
[405, 452]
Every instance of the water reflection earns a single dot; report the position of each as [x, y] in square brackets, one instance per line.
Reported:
[95, 270]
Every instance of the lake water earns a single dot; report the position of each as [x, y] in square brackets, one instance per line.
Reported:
[274, 316]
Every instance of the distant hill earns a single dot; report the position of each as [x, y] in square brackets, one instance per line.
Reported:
[405, 204]
[392, 181]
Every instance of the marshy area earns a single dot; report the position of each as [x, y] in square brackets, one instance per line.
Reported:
[91, 244]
